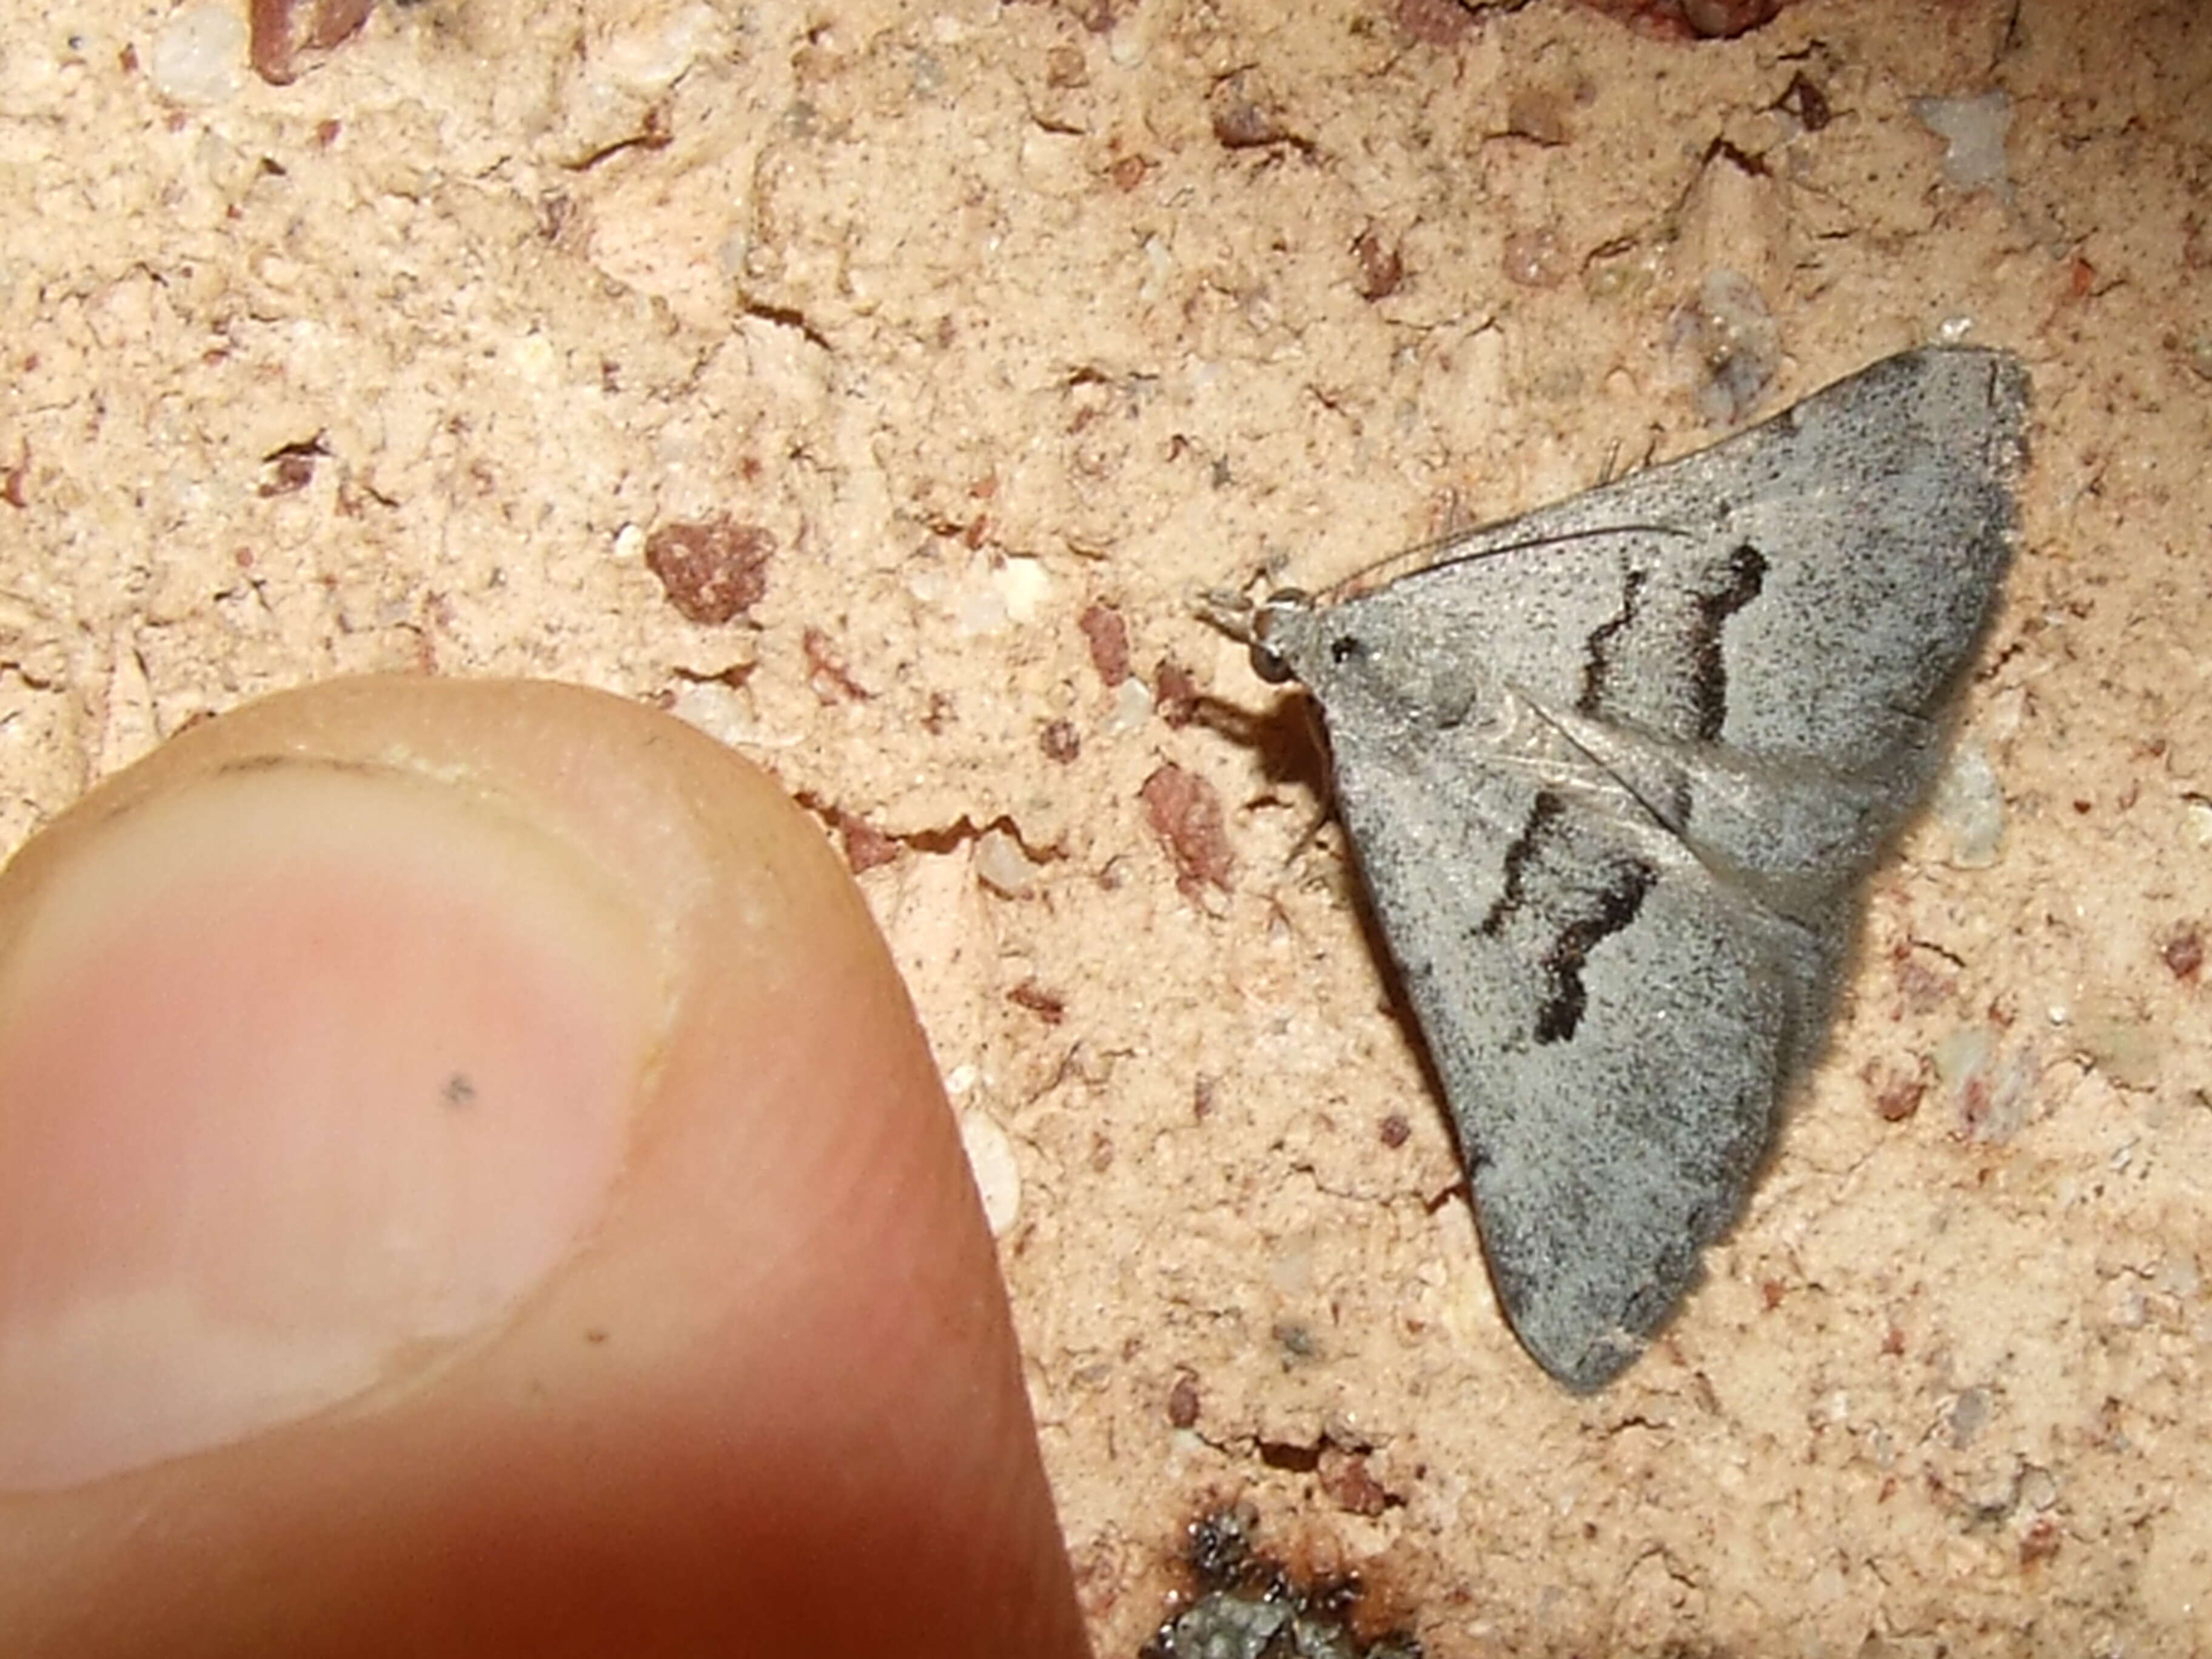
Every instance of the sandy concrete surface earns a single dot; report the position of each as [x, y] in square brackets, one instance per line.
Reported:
[874, 386]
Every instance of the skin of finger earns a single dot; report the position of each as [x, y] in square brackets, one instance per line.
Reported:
[773, 1406]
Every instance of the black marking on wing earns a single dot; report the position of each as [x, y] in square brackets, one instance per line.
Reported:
[1583, 895]
[1599, 662]
[1747, 572]
[1542, 812]
[1614, 907]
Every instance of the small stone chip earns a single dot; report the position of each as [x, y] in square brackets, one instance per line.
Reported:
[713, 571]
[1350, 1486]
[288, 35]
[1060, 742]
[1108, 637]
[1185, 812]
[1047, 1006]
[866, 848]
[1245, 116]
[1381, 266]
[2184, 951]
[1002, 866]
[1182, 1400]
[1175, 691]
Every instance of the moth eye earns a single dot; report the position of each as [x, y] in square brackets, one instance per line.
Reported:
[1269, 666]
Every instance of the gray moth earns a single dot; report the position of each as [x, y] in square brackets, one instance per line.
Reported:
[1613, 774]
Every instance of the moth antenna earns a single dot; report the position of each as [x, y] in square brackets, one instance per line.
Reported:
[1350, 587]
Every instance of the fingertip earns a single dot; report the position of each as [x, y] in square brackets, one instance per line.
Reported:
[751, 1385]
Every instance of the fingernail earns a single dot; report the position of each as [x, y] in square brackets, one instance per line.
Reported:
[309, 1074]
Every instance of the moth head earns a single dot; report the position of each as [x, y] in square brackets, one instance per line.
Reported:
[1263, 626]
[1272, 619]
